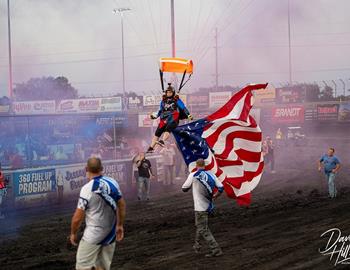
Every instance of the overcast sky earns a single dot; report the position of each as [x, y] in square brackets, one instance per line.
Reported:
[81, 39]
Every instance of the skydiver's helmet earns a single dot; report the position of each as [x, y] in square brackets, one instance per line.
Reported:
[169, 89]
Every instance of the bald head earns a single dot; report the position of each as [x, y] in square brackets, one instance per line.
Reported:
[94, 165]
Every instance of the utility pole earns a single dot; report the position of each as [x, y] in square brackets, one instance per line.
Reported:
[173, 54]
[173, 42]
[289, 46]
[121, 12]
[216, 60]
[9, 50]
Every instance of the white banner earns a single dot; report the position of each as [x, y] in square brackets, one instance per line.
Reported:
[146, 121]
[152, 100]
[218, 99]
[74, 177]
[87, 105]
[34, 107]
[113, 104]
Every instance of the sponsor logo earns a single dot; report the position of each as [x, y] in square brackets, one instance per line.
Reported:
[67, 105]
[287, 112]
[337, 246]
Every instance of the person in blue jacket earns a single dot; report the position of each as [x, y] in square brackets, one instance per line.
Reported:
[171, 111]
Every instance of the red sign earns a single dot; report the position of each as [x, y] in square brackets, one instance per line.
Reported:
[290, 114]
[327, 112]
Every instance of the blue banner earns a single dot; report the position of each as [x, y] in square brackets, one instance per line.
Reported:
[34, 182]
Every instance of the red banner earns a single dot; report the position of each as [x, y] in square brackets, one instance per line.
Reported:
[288, 114]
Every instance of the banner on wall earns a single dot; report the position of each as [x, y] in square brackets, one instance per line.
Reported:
[146, 121]
[327, 112]
[121, 120]
[112, 104]
[217, 99]
[135, 102]
[265, 96]
[152, 100]
[344, 112]
[90, 105]
[310, 114]
[290, 95]
[34, 107]
[288, 114]
[34, 182]
[74, 177]
[4, 109]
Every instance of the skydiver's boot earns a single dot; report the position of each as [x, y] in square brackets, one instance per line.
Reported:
[150, 150]
[161, 143]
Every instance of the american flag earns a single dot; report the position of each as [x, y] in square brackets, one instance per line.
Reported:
[230, 142]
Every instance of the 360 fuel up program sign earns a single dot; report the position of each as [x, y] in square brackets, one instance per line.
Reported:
[34, 182]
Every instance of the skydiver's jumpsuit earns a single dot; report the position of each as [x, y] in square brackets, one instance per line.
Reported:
[171, 110]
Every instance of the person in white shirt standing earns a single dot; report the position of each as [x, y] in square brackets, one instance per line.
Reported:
[102, 206]
[203, 184]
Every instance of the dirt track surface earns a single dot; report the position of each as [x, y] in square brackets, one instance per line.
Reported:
[280, 230]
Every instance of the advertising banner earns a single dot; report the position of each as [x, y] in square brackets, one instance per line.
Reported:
[344, 112]
[265, 96]
[327, 112]
[146, 121]
[152, 100]
[106, 120]
[112, 104]
[290, 95]
[4, 109]
[90, 105]
[288, 114]
[34, 107]
[310, 114]
[74, 177]
[135, 102]
[218, 99]
[34, 182]
[198, 101]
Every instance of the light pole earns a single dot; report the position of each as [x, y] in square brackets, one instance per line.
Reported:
[172, 8]
[289, 46]
[121, 12]
[9, 47]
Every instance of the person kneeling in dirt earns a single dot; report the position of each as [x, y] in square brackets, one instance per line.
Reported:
[203, 184]
[102, 206]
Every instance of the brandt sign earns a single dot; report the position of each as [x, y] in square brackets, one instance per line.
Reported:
[290, 114]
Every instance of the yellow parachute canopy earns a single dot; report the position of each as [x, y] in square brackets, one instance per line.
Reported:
[177, 65]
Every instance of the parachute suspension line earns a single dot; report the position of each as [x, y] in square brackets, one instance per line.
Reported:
[189, 77]
[161, 79]
[182, 80]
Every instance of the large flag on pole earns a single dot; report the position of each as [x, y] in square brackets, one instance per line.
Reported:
[230, 142]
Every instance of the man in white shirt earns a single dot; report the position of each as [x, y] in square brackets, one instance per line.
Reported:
[102, 206]
[203, 184]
